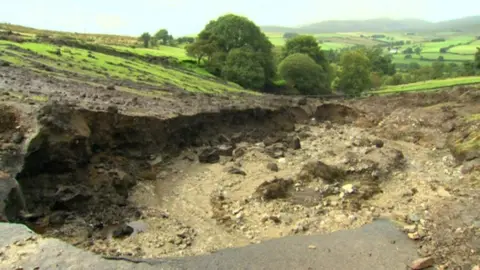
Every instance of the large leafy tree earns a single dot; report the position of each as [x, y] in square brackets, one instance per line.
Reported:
[242, 66]
[230, 32]
[302, 73]
[163, 36]
[381, 63]
[354, 76]
[306, 44]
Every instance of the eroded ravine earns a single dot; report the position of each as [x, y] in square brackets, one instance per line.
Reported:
[195, 184]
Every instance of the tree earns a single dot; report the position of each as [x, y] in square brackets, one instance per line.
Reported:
[413, 66]
[163, 36]
[308, 45]
[302, 73]
[188, 40]
[437, 70]
[230, 32]
[242, 66]
[408, 51]
[468, 68]
[380, 62]
[418, 50]
[354, 77]
[289, 35]
[145, 38]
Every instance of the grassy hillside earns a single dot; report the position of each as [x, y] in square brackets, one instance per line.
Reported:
[160, 69]
[428, 85]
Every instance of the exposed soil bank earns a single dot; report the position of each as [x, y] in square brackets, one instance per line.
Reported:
[139, 185]
[85, 162]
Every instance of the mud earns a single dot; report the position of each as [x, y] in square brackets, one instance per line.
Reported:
[133, 179]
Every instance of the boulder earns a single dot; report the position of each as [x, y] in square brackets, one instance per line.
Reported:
[209, 155]
[295, 143]
[122, 231]
[274, 189]
[235, 170]
[272, 167]
[225, 150]
[318, 169]
[276, 150]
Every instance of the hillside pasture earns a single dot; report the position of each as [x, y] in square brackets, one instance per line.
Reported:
[428, 85]
[65, 61]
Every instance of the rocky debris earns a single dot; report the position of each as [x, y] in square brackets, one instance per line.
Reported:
[277, 138]
[361, 142]
[235, 170]
[71, 197]
[17, 137]
[318, 169]
[273, 189]
[336, 113]
[348, 188]
[422, 263]
[276, 150]
[378, 143]
[122, 231]
[470, 166]
[302, 101]
[295, 143]
[225, 150]
[272, 167]
[239, 152]
[209, 155]
[110, 87]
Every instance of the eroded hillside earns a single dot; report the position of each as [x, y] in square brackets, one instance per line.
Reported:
[123, 174]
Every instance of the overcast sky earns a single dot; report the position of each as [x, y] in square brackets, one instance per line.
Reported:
[182, 17]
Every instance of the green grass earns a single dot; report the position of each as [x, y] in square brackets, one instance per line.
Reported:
[428, 58]
[103, 66]
[161, 50]
[466, 49]
[428, 85]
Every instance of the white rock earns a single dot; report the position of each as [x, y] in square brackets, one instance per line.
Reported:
[282, 160]
[348, 188]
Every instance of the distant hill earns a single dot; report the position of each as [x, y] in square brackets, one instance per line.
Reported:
[380, 25]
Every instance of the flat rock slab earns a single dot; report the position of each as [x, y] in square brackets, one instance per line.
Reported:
[379, 245]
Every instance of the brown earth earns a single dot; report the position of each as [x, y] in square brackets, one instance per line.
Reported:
[124, 174]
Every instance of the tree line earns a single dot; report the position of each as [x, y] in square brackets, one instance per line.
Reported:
[234, 48]
[162, 37]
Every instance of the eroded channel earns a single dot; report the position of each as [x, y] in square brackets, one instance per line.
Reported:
[122, 185]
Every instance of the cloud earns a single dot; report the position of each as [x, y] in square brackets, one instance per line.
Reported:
[108, 22]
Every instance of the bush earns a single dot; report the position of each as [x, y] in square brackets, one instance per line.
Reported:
[408, 56]
[301, 72]
[243, 67]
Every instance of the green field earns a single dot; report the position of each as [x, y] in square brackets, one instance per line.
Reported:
[464, 44]
[47, 58]
[428, 85]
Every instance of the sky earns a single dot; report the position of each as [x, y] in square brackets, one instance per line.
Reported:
[184, 17]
